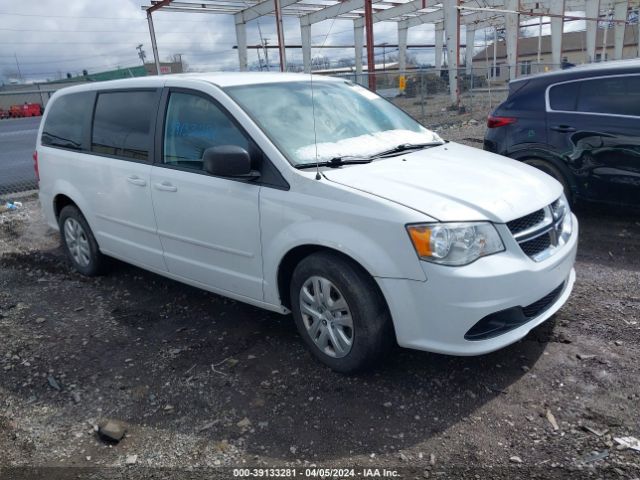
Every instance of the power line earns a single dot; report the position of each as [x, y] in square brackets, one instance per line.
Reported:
[73, 17]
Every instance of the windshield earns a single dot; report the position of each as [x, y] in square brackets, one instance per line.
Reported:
[349, 120]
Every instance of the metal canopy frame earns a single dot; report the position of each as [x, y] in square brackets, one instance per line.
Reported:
[446, 15]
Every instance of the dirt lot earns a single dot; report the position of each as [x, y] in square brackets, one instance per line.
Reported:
[203, 383]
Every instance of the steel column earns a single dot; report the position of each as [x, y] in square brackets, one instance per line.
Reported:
[468, 51]
[512, 24]
[402, 48]
[241, 37]
[592, 9]
[438, 53]
[557, 28]
[154, 45]
[358, 41]
[619, 13]
[452, 35]
[280, 31]
[371, 63]
[305, 33]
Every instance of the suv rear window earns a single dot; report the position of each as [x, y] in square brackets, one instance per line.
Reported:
[122, 124]
[66, 121]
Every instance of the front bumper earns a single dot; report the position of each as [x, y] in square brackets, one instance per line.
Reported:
[435, 315]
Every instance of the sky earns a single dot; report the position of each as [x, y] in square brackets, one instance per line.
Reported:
[45, 39]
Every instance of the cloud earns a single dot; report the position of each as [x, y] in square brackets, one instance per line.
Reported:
[53, 37]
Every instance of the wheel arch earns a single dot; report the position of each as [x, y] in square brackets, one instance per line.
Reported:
[295, 255]
[551, 158]
[60, 201]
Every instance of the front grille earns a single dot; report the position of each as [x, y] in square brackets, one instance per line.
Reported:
[523, 223]
[536, 308]
[537, 245]
[538, 233]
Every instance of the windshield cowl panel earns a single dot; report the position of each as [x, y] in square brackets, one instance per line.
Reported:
[337, 119]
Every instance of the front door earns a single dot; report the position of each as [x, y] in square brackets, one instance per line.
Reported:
[209, 226]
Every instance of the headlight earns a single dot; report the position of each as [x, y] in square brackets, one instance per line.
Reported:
[455, 243]
[560, 211]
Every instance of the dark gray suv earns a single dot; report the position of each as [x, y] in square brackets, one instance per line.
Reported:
[581, 126]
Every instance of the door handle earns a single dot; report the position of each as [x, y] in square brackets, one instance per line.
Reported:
[563, 128]
[165, 187]
[136, 180]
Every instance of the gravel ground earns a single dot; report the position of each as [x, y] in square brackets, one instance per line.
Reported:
[202, 383]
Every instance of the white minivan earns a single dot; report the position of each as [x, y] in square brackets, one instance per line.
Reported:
[313, 196]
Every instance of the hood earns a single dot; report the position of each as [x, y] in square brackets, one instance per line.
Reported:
[454, 182]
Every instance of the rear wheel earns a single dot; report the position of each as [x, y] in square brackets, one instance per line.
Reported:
[553, 171]
[340, 312]
[79, 243]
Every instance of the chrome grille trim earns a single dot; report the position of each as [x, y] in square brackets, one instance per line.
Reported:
[551, 225]
[535, 231]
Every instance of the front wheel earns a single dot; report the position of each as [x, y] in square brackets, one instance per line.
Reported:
[340, 312]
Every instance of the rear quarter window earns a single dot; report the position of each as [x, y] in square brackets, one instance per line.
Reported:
[525, 97]
[563, 97]
[67, 120]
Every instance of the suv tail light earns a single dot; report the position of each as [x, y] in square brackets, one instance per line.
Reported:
[495, 122]
[35, 165]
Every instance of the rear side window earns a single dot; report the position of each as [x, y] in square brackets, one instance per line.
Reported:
[122, 124]
[564, 96]
[67, 120]
[615, 95]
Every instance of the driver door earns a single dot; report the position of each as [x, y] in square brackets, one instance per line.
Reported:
[208, 225]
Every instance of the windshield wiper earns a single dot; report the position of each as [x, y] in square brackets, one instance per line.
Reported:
[404, 147]
[336, 162]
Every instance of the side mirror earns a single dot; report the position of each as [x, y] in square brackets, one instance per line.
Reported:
[228, 161]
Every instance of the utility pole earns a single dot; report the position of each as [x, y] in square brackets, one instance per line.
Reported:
[266, 52]
[384, 56]
[141, 53]
[18, 65]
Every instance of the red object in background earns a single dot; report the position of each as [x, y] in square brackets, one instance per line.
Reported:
[31, 110]
[26, 110]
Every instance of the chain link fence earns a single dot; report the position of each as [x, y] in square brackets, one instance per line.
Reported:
[426, 94]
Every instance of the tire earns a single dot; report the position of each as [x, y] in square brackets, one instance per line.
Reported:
[79, 243]
[352, 294]
[553, 171]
